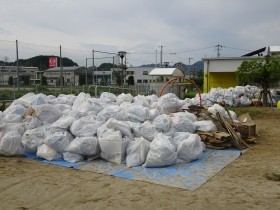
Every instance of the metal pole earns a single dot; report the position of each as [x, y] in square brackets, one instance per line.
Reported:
[17, 65]
[61, 68]
[86, 71]
[92, 67]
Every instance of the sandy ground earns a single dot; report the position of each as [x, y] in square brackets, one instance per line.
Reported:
[28, 184]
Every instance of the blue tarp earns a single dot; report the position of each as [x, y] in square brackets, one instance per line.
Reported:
[185, 175]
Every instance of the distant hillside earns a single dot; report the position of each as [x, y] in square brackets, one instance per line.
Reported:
[40, 61]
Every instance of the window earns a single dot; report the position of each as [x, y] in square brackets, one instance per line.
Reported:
[68, 80]
[139, 81]
[145, 73]
[145, 81]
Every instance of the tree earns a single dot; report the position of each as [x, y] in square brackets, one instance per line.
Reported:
[11, 80]
[263, 71]
[130, 80]
[44, 80]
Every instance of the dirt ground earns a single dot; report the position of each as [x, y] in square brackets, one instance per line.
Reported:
[28, 184]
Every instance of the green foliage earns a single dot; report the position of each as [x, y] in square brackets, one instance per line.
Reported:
[130, 80]
[44, 80]
[261, 70]
[106, 67]
[252, 111]
[42, 62]
[198, 82]
[117, 77]
[11, 80]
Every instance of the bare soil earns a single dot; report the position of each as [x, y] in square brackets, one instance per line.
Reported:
[28, 184]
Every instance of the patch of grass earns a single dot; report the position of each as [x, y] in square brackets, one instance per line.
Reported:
[252, 111]
[273, 176]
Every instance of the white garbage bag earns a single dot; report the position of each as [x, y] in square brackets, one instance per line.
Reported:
[108, 97]
[135, 113]
[33, 138]
[12, 118]
[46, 152]
[31, 122]
[169, 103]
[162, 122]
[84, 146]
[15, 109]
[141, 100]
[63, 123]
[109, 112]
[146, 130]
[85, 126]
[113, 146]
[183, 122]
[124, 98]
[205, 126]
[190, 149]
[47, 113]
[59, 140]
[136, 152]
[161, 153]
[122, 126]
[10, 144]
[9, 127]
[72, 157]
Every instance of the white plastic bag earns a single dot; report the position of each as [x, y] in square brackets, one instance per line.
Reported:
[63, 123]
[169, 103]
[10, 144]
[182, 122]
[46, 152]
[136, 152]
[72, 157]
[85, 126]
[113, 146]
[12, 118]
[161, 153]
[122, 126]
[205, 126]
[59, 141]
[33, 138]
[146, 130]
[190, 149]
[84, 146]
[47, 113]
[162, 122]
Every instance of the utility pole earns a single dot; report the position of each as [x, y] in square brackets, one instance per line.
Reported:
[219, 48]
[17, 65]
[156, 60]
[61, 68]
[189, 72]
[161, 55]
[93, 67]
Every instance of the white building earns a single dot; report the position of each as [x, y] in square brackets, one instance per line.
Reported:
[26, 74]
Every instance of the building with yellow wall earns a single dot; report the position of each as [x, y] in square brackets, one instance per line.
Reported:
[220, 71]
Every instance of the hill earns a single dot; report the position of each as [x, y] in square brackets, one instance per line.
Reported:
[40, 61]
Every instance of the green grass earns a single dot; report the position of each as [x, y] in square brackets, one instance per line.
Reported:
[252, 111]
[273, 176]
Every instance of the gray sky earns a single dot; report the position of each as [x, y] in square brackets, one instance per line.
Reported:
[186, 28]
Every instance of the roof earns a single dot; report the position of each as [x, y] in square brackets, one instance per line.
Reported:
[273, 49]
[167, 72]
[66, 68]
[232, 58]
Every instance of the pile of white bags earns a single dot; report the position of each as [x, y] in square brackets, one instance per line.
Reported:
[237, 96]
[140, 130]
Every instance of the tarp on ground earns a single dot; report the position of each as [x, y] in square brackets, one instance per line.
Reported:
[188, 176]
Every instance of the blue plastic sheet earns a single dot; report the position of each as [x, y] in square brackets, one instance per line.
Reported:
[188, 176]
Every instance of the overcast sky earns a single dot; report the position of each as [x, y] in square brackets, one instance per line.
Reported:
[185, 28]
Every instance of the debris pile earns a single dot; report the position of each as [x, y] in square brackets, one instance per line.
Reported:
[140, 130]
